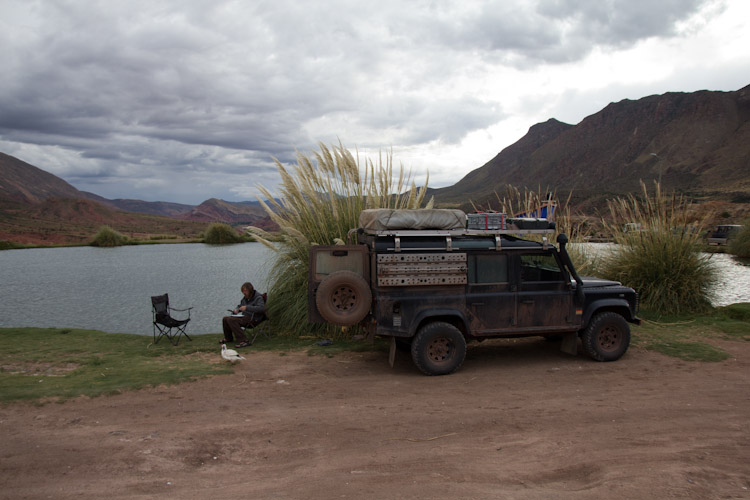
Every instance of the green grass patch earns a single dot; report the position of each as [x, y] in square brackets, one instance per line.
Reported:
[50, 364]
[693, 337]
[41, 363]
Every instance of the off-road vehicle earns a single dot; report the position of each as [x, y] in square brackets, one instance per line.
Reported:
[430, 284]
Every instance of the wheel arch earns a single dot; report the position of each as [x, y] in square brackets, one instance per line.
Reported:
[618, 306]
[451, 316]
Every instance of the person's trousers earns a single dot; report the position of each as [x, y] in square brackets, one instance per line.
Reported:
[233, 326]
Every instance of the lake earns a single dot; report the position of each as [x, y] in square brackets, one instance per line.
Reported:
[110, 289]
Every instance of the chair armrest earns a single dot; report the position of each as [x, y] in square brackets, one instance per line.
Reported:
[175, 309]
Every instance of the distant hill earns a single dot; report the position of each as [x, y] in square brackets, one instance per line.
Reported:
[25, 183]
[164, 208]
[697, 143]
[37, 207]
[76, 220]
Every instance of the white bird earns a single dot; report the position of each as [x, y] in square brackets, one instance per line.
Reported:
[229, 354]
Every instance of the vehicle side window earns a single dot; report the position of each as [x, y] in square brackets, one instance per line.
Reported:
[540, 267]
[492, 268]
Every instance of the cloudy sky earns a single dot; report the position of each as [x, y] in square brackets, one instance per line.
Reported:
[184, 100]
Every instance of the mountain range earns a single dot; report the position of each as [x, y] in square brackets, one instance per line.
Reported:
[697, 144]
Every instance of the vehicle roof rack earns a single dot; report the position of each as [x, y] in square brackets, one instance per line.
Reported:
[449, 234]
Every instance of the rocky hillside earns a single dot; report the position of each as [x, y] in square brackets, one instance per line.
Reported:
[697, 143]
[25, 183]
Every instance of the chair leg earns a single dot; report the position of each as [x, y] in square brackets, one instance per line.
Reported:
[262, 328]
[162, 333]
[180, 331]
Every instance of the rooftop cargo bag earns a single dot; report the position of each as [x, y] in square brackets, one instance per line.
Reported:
[382, 219]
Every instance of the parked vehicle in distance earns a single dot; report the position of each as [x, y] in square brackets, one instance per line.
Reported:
[721, 234]
[432, 289]
[632, 227]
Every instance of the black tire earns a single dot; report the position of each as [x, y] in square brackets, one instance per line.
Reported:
[607, 337]
[438, 349]
[343, 298]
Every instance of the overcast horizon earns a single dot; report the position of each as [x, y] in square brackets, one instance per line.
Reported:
[182, 101]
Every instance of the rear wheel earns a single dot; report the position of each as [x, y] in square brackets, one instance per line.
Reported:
[607, 337]
[438, 348]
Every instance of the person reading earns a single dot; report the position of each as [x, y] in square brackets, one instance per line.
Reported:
[248, 314]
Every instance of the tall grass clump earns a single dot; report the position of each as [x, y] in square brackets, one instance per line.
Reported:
[662, 260]
[108, 237]
[739, 243]
[221, 234]
[320, 201]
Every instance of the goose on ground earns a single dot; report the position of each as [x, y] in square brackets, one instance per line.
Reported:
[229, 354]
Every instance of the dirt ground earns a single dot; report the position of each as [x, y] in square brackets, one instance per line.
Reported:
[520, 420]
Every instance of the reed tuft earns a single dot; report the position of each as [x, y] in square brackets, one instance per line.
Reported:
[320, 201]
[658, 253]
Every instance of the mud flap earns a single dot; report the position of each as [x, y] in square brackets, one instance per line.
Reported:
[392, 353]
[570, 343]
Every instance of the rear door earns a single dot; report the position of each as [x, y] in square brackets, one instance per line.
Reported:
[325, 260]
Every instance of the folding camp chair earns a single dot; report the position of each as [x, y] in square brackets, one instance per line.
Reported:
[262, 326]
[164, 323]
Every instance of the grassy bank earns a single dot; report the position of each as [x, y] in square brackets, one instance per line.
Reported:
[48, 364]
[694, 337]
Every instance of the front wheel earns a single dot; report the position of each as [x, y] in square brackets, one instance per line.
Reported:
[438, 349]
[607, 337]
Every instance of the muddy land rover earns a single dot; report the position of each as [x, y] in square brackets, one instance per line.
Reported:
[430, 284]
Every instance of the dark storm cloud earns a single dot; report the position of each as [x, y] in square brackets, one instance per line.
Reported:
[133, 90]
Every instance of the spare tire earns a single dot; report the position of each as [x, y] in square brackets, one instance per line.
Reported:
[343, 298]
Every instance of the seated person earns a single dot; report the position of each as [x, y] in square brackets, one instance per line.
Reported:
[252, 308]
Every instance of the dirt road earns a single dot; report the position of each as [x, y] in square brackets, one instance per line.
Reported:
[520, 420]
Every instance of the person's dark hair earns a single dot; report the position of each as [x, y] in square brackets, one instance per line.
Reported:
[247, 286]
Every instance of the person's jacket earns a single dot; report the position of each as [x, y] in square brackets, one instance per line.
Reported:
[254, 306]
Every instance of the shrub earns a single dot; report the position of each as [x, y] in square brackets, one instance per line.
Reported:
[8, 245]
[662, 260]
[108, 237]
[221, 234]
[320, 202]
[739, 243]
